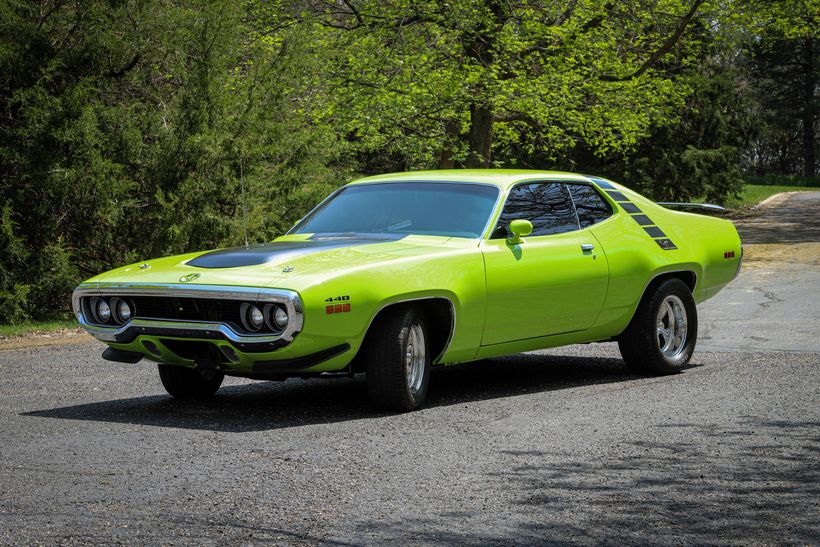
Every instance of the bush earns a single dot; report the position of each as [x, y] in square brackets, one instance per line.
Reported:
[14, 303]
[783, 180]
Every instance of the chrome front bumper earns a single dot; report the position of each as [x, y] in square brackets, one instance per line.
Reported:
[191, 329]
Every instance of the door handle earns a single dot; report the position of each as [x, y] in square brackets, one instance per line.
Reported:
[587, 247]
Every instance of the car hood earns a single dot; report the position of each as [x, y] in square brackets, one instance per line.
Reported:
[288, 261]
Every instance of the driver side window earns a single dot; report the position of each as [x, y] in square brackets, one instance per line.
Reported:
[547, 205]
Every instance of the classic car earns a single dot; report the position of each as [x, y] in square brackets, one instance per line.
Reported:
[394, 274]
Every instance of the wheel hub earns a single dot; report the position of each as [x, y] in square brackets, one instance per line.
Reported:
[414, 358]
[672, 326]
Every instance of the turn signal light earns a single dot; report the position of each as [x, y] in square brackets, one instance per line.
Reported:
[337, 308]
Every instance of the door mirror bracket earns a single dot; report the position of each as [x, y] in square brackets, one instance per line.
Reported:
[518, 228]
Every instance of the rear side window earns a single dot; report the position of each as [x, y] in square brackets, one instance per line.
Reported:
[547, 205]
[589, 204]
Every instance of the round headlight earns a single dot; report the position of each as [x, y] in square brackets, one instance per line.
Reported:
[103, 311]
[280, 317]
[123, 311]
[252, 317]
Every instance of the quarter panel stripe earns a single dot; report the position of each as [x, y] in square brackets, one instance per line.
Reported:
[643, 220]
[654, 231]
[617, 196]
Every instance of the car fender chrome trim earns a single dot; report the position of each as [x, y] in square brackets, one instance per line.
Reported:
[289, 299]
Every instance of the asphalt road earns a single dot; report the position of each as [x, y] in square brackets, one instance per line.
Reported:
[563, 446]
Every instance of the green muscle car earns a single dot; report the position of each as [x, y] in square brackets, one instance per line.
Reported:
[394, 274]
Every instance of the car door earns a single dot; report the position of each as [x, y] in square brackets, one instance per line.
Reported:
[555, 280]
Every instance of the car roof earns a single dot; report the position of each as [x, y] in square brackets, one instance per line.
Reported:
[499, 177]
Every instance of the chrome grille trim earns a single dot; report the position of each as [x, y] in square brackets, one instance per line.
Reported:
[289, 299]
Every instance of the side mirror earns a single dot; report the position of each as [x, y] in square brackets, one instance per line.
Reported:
[519, 227]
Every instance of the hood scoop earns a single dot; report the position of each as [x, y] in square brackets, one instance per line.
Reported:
[276, 251]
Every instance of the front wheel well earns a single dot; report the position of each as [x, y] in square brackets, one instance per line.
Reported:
[439, 314]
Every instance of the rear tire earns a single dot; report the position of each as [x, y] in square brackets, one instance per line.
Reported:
[397, 360]
[661, 337]
[189, 383]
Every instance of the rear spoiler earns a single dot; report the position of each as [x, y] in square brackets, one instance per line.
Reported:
[705, 206]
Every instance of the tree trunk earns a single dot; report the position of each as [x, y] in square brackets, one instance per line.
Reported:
[479, 44]
[451, 133]
[809, 109]
[481, 136]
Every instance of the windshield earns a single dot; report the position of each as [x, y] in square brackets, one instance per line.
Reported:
[422, 208]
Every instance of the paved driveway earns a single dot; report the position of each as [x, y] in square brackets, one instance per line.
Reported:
[564, 446]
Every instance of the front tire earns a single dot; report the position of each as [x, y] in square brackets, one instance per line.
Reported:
[189, 383]
[661, 337]
[397, 361]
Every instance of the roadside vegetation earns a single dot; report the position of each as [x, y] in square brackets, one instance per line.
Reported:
[36, 327]
[752, 194]
[131, 130]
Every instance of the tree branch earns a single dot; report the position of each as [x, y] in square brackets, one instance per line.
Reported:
[120, 72]
[53, 8]
[665, 48]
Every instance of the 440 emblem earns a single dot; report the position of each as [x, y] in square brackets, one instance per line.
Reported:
[189, 277]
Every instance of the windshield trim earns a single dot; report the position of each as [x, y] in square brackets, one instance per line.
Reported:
[499, 196]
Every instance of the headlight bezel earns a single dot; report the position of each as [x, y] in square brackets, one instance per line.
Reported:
[116, 305]
[247, 311]
[271, 311]
[97, 305]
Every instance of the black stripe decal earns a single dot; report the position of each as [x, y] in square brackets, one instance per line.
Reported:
[643, 220]
[666, 244]
[602, 183]
[648, 225]
[617, 196]
[654, 231]
[264, 253]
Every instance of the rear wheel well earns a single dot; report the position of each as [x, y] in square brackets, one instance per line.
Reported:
[687, 276]
[438, 314]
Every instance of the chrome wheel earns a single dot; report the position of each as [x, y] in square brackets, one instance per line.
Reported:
[414, 358]
[672, 326]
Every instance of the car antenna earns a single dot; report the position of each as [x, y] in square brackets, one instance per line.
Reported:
[244, 208]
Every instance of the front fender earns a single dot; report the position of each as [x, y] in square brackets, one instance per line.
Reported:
[340, 308]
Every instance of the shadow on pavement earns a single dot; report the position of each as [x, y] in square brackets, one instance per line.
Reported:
[754, 482]
[263, 406]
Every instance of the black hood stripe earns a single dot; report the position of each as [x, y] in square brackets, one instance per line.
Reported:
[262, 253]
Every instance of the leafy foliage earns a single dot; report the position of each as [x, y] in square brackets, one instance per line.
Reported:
[464, 82]
[131, 130]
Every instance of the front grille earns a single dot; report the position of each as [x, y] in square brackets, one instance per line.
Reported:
[186, 309]
[182, 309]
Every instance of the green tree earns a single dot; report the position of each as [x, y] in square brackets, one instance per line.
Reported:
[778, 42]
[454, 82]
[785, 76]
[128, 130]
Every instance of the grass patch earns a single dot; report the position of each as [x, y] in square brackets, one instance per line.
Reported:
[9, 331]
[753, 194]
[782, 180]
